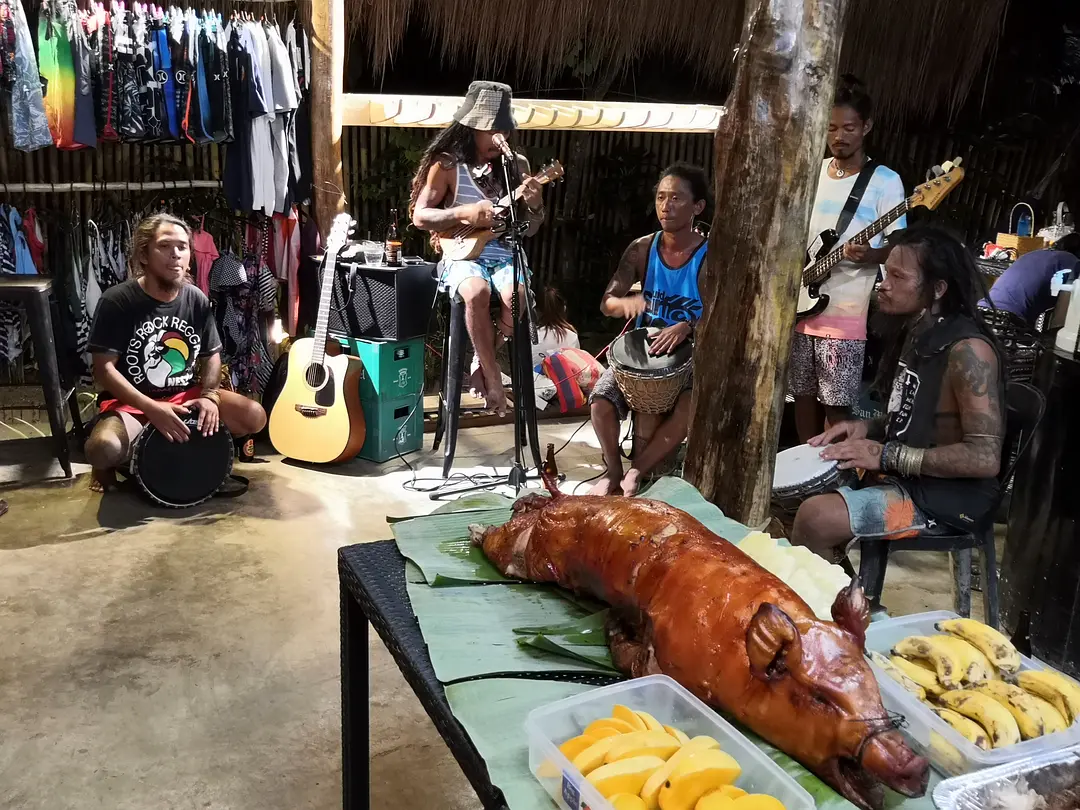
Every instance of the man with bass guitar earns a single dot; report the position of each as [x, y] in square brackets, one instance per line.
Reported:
[825, 373]
[458, 183]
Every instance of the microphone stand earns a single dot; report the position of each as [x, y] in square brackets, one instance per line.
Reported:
[520, 360]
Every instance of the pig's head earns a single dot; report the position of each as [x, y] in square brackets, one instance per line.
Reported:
[820, 683]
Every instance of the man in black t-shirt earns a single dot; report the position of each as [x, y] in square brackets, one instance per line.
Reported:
[149, 334]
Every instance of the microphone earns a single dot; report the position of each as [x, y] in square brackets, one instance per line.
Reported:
[500, 141]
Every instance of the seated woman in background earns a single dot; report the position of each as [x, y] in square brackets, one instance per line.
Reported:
[562, 369]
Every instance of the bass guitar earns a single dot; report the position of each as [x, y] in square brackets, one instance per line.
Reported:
[466, 242]
[824, 253]
[317, 417]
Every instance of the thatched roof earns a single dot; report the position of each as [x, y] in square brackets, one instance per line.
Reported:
[918, 57]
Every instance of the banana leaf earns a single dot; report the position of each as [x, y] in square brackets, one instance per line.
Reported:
[439, 545]
[471, 631]
[584, 640]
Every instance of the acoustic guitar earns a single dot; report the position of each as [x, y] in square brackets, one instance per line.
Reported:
[317, 416]
[824, 253]
[466, 242]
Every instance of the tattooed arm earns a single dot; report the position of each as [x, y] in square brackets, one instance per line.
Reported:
[975, 378]
[617, 302]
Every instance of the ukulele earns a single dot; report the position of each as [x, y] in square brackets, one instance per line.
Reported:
[824, 253]
[466, 242]
[317, 417]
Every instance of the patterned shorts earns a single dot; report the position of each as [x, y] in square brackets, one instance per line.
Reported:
[607, 388]
[829, 369]
[499, 276]
[884, 511]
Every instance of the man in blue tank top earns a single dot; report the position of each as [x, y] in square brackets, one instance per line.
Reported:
[666, 265]
[458, 183]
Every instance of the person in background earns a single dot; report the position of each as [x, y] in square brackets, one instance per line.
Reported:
[1024, 288]
[148, 336]
[930, 463]
[667, 265]
[826, 368]
[563, 371]
[458, 183]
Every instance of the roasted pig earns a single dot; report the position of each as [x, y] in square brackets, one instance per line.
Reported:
[687, 603]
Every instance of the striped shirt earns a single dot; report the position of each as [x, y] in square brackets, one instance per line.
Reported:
[495, 252]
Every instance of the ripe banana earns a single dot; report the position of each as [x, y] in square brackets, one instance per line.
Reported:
[1061, 692]
[926, 678]
[971, 731]
[994, 645]
[987, 712]
[897, 675]
[950, 669]
[1022, 706]
[977, 667]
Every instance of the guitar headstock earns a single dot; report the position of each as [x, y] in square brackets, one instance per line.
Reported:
[550, 173]
[933, 191]
[339, 232]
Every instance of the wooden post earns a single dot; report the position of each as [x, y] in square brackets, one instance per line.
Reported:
[327, 79]
[769, 148]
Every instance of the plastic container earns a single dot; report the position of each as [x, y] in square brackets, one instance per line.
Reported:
[671, 704]
[946, 747]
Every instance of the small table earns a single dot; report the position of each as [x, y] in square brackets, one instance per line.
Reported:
[372, 580]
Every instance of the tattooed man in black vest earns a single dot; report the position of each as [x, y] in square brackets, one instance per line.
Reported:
[930, 464]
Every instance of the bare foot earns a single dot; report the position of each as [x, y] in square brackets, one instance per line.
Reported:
[607, 485]
[477, 384]
[495, 396]
[631, 482]
[102, 480]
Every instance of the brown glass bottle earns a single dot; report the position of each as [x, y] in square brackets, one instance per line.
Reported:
[392, 244]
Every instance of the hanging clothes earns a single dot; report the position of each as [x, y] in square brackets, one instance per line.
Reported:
[11, 319]
[206, 253]
[26, 107]
[283, 87]
[285, 261]
[129, 99]
[262, 150]
[35, 239]
[84, 131]
[98, 25]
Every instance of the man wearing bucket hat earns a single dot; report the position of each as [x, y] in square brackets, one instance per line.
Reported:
[458, 182]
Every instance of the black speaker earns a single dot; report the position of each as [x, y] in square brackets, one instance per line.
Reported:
[382, 303]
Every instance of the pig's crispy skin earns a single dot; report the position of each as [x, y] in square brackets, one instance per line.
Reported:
[692, 606]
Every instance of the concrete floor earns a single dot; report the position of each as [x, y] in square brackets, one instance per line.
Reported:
[156, 659]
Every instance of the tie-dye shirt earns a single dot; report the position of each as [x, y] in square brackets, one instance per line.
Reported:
[850, 285]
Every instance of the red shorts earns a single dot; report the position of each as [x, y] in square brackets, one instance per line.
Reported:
[176, 399]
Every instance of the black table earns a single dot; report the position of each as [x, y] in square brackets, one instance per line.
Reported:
[372, 580]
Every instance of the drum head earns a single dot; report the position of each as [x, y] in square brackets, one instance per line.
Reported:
[182, 474]
[632, 351]
[800, 465]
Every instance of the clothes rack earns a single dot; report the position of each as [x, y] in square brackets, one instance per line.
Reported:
[64, 188]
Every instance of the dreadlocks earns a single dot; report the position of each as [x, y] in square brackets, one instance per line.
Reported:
[942, 257]
[456, 143]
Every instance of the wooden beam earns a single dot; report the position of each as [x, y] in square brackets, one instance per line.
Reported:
[327, 79]
[769, 147]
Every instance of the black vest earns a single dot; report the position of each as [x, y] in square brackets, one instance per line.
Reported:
[963, 503]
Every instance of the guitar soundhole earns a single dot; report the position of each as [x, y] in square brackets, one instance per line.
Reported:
[315, 375]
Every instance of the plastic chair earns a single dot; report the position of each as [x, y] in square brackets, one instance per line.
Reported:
[1025, 405]
[35, 293]
[452, 376]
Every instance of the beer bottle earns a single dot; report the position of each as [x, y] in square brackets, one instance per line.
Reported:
[392, 245]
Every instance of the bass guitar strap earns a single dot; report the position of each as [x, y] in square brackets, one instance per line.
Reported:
[857, 192]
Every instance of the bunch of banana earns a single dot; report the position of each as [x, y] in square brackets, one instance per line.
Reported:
[1061, 692]
[995, 646]
[955, 661]
[960, 674]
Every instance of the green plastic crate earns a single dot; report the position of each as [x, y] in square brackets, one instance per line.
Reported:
[389, 420]
[392, 369]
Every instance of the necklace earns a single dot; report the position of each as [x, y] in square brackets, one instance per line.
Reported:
[840, 172]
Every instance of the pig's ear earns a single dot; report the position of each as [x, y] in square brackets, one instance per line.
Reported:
[851, 611]
[773, 643]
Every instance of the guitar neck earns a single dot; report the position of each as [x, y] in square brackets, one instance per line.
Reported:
[823, 266]
[322, 322]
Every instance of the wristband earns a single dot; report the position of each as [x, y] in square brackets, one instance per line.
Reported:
[213, 395]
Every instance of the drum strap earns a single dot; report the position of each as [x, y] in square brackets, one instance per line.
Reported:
[239, 486]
